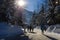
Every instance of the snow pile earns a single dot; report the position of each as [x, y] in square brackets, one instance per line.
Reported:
[6, 30]
[53, 35]
[54, 28]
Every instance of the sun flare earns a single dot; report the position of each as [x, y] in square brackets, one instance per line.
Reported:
[20, 3]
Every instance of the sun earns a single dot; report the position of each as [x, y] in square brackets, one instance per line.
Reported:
[20, 3]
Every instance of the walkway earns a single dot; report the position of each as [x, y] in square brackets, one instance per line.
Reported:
[36, 35]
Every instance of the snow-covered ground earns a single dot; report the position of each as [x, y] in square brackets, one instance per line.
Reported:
[37, 35]
[53, 31]
[54, 28]
[7, 30]
[53, 35]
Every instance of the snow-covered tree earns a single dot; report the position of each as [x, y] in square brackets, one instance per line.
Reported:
[41, 17]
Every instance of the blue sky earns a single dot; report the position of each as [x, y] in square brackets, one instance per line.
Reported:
[32, 4]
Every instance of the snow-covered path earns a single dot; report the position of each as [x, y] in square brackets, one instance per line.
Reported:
[37, 35]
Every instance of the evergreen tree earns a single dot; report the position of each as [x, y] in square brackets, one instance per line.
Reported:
[52, 18]
[2, 10]
[41, 17]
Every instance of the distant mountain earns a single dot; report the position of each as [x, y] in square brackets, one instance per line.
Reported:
[27, 16]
